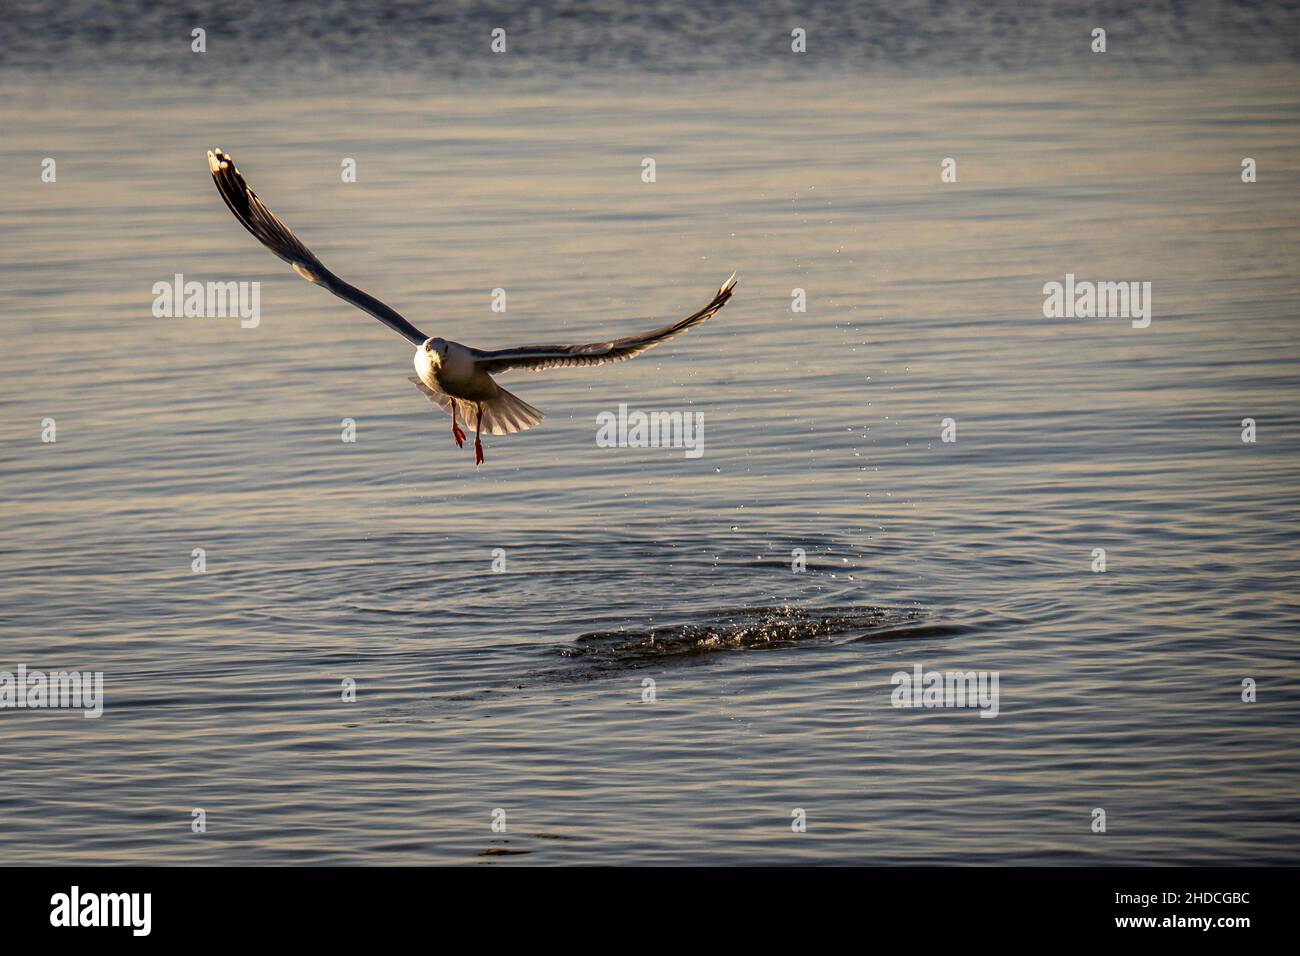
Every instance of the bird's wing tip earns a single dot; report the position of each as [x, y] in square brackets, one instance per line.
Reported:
[218, 160]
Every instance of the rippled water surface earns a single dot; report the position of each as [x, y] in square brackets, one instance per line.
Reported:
[525, 688]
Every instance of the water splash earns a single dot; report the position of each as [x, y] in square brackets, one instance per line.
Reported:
[746, 628]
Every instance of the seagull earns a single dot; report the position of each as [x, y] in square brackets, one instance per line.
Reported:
[457, 378]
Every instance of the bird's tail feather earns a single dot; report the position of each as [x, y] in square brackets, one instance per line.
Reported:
[442, 400]
[502, 415]
[508, 413]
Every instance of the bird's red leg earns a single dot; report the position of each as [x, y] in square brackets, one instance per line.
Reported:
[456, 433]
[478, 444]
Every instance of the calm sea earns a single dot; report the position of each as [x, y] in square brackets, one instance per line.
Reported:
[613, 651]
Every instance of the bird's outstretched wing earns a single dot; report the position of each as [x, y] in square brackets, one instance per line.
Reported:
[279, 238]
[537, 357]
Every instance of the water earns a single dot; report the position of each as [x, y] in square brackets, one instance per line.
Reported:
[523, 690]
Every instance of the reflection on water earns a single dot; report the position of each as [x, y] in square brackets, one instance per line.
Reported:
[519, 687]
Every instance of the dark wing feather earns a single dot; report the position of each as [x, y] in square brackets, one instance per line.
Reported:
[537, 357]
[279, 238]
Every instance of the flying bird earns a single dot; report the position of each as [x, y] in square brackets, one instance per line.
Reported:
[458, 378]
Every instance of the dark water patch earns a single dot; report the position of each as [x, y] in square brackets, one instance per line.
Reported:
[751, 629]
[656, 37]
[915, 632]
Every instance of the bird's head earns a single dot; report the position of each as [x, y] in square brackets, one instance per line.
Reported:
[436, 349]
